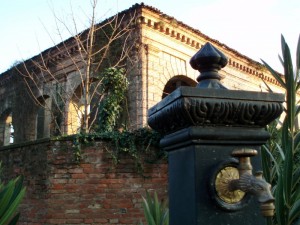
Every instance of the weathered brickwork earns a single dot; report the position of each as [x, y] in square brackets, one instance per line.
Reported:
[60, 191]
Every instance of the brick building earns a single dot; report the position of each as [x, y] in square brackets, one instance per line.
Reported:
[159, 63]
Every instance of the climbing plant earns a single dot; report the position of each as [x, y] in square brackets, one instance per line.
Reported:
[114, 85]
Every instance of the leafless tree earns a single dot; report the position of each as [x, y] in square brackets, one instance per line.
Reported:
[67, 77]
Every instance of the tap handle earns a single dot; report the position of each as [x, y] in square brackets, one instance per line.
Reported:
[244, 152]
[244, 155]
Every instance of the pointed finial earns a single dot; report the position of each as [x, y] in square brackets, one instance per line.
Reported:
[208, 61]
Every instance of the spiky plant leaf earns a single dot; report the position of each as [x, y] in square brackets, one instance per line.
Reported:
[298, 59]
[279, 202]
[275, 74]
[10, 197]
[156, 212]
[295, 211]
[14, 221]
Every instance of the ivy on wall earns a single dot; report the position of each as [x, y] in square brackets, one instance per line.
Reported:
[133, 143]
[136, 144]
[115, 86]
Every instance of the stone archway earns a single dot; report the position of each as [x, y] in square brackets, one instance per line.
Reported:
[176, 82]
[76, 106]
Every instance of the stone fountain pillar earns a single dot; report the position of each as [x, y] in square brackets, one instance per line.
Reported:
[206, 129]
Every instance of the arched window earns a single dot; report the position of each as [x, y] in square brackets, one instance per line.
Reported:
[176, 82]
[6, 128]
[75, 111]
[82, 104]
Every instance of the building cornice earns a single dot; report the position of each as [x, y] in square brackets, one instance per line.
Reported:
[177, 32]
[56, 53]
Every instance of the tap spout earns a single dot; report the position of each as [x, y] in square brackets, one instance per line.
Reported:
[253, 185]
[258, 187]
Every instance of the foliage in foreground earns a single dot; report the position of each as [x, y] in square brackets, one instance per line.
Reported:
[156, 212]
[281, 156]
[11, 195]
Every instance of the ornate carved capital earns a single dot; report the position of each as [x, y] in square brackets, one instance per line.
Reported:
[214, 107]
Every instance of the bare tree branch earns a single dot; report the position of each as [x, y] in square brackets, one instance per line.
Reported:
[74, 68]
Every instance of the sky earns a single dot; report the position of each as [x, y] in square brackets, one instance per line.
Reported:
[253, 28]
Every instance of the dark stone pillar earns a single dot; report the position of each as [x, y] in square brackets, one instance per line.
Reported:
[202, 126]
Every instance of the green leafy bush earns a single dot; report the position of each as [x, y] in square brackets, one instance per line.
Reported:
[281, 156]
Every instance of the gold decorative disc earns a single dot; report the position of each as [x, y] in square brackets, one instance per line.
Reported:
[221, 185]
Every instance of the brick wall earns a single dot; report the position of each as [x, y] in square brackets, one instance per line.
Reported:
[60, 191]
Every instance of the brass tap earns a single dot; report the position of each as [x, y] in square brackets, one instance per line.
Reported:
[251, 184]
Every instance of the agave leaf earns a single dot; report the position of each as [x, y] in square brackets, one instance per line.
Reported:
[272, 157]
[280, 59]
[12, 207]
[165, 212]
[298, 59]
[156, 208]
[165, 219]
[282, 44]
[268, 87]
[295, 211]
[150, 203]
[274, 173]
[7, 194]
[147, 212]
[279, 203]
[2, 190]
[156, 212]
[290, 84]
[151, 206]
[18, 187]
[288, 176]
[275, 74]
[281, 151]
[285, 135]
[266, 165]
[296, 194]
[296, 177]
[14, 220]
[297, 141]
